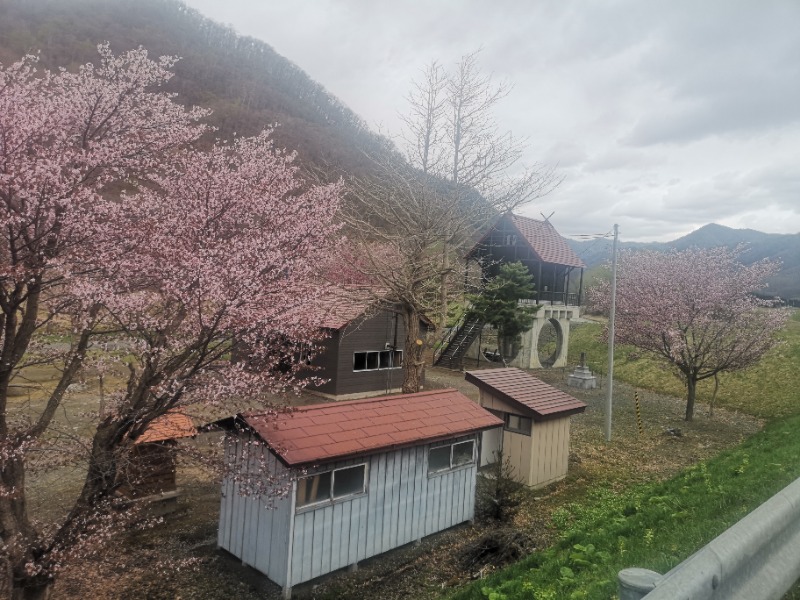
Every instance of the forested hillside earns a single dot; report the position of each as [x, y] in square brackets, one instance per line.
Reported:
[244, 81]
[783, 247]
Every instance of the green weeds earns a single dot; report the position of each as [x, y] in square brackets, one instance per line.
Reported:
[653, 526]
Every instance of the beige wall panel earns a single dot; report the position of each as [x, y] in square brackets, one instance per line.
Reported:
[489, 401]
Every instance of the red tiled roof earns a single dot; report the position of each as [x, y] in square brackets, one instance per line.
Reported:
[333, 431]
[169, 426]
[532, 395]
[546, 241]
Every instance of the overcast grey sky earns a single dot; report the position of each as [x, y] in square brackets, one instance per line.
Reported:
[661, 116]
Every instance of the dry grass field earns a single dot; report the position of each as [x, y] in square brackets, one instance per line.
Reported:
[179, 558]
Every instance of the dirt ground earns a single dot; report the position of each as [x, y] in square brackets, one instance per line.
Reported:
[179, 558]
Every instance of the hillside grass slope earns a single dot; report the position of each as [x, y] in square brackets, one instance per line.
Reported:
[658, 525]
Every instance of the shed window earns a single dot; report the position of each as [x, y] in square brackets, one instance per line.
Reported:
[349, 481]
[462, 453]
[331, 485]
[314, 489]
[439, 459]
[377, 359]
[518, 424]
[444, 458]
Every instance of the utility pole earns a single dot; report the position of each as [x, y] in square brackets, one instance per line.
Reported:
[610, 386]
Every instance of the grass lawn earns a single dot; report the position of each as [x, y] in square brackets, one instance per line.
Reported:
[657, 525]
[653, 526]
[768, 390]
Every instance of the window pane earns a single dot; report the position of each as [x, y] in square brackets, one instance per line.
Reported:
[359, 361]
[397, 360]
[462, 453]
[518, 423]
[386, 359]
[349, 481]
[313, 489]
[439, 459]
[372, 360]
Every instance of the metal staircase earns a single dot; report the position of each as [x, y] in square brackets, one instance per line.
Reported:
[456, 343]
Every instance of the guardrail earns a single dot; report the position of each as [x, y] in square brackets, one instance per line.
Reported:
[758, 558]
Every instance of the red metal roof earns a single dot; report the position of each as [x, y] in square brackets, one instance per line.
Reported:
[542, 238]
[536, 398]
[325, 432]
[169, 426]
[546, 241]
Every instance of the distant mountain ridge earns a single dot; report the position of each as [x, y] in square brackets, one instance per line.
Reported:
[784, 247]
[247, 84]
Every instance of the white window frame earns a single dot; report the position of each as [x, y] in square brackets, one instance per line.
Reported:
[331, 499]
[392, 353]
[451, 467]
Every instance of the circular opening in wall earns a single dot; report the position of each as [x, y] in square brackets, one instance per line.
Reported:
[549, 343]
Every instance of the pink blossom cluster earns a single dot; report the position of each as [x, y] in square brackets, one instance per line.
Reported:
[117, 219]
[694, 308]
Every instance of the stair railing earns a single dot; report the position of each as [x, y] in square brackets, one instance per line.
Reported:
[449, 337]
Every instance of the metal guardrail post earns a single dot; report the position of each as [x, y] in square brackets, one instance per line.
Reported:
[758, 558]
[635, 583]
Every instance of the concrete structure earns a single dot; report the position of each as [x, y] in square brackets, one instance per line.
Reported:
[363, 477]
[582, 377]
[535, 435]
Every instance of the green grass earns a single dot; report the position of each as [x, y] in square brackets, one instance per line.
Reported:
[768, 390]
[653, 526]
[658, 525]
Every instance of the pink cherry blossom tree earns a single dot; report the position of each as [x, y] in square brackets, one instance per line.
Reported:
[115, 224]
[694, 309]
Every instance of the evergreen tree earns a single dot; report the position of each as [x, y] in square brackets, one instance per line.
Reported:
[499, 306]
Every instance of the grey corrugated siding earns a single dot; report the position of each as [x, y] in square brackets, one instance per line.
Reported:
[402, 504]
[253, 529]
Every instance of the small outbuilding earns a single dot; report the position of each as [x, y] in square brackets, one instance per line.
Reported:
[150, 473]
[364, 477]
[536, 420]
[362, 353]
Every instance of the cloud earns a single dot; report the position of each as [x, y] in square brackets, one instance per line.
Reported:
[662, 117]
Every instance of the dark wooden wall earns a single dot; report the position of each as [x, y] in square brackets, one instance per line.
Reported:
[381, 331]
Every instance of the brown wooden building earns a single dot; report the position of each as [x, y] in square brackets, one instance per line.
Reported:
[363, 353]
[151, 469]
[557, 271]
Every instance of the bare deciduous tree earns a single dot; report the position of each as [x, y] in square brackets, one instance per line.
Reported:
[451, 133]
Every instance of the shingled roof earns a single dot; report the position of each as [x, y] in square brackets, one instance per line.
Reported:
[338, 430]
[171, 425]
[543, 239]
[533, 396]
[546, 241]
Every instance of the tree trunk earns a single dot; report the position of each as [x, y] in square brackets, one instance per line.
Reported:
[691, 394]
[412, 361]
[31, 590]
[713, 396]
[19, 533]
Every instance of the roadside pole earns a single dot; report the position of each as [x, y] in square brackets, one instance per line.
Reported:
[610, 386]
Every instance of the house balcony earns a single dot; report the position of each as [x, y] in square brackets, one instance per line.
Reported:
[554, 298]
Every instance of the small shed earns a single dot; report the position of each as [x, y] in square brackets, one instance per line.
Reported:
[362, 354]
[365, 476]
[536, 419]
[150, 471]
